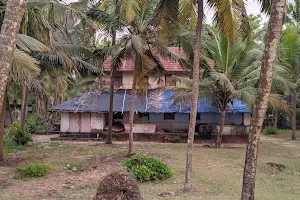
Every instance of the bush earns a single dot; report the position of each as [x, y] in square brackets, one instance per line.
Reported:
[18, 135]
[144, 168]
[32, 170]
[270, 130]
[31, 124]
[44, 125]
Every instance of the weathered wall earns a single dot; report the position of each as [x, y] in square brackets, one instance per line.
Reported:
[64, 122]
[127, 78]
[98, 121]
[141, 128]
[215, 118]
[247, 119]
[235, 130]
[180, 123]
[154, 82]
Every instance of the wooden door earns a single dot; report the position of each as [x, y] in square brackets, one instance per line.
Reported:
[85, 123]
[74, 122]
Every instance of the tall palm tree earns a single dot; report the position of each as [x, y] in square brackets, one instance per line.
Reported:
[289, 56]
[107, 15]
[262, 96]
[8, 36]
[234, 76]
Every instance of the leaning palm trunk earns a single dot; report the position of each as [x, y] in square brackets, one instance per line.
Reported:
[111, 99]
[132, 108]
[194, 105]
[8, 36]
[2, 122]
[294, 113]
[222, 124]
[24, 105]
[262, 97]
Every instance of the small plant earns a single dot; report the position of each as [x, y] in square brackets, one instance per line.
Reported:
[18, 135]
[144, 168]
[31, 124]
[32, 170]
[270, 130]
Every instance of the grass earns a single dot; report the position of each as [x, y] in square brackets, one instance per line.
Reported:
[217, 173]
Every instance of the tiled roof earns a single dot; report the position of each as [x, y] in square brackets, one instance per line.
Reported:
[169, 65]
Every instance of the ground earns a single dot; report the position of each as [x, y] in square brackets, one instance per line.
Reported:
[77, 168]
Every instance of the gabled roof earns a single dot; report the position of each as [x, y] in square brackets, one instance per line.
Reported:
[154, 101]
[169, 65]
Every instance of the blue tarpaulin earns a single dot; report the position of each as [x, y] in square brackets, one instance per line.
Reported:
[144, 103]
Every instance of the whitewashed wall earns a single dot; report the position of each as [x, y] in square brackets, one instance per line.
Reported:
[64, 122]
[98, 121]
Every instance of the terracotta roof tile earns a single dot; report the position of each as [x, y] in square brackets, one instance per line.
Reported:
[169, 65]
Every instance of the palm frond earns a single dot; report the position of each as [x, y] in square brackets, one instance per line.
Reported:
[23, 65]
[129, 9]
[165, 21]
[227, 13]
[31, 45]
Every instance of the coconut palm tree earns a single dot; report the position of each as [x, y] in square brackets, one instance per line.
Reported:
[106, 14]
[289, 56]
[8, 36]
[262, 97]
[234, 76]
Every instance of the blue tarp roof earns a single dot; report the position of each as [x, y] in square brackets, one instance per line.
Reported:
[151, 102]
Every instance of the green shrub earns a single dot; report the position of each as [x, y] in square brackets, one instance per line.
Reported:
[144, 168]
[31, 124]
[32, 170]
[44, 125]
[18, 135]
[270, 130]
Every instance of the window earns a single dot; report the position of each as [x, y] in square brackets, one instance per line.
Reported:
[198, 117]
[118, 115]
[169, 116]
[168, 80]
[141, 115]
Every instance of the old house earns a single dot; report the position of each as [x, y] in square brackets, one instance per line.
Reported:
[155, 109]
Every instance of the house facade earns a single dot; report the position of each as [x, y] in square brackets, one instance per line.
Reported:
[155, 109]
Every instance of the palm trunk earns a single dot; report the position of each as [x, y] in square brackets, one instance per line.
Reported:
[294, 113]
[2, 122]
[222, 124]
[56, 88]
[8, 36]
[132, 107]
[9, 110]
[194, 105]
[24, 105]
[262, 97]
[111, 99]
[15, 110]
[275, 118]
